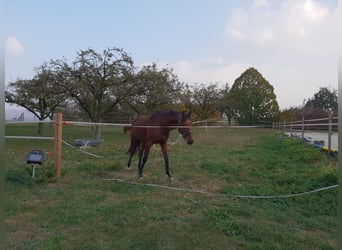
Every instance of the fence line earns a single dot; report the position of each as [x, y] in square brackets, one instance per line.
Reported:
[22, 122]
[311, 120]
[59, 122]
[78, 123]
[303, 124]
[29, 137]
[221, 194]
[57, 154]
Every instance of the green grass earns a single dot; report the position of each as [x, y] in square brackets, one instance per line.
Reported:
[82, 211]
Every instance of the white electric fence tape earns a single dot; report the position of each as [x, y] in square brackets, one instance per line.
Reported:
[223, 195]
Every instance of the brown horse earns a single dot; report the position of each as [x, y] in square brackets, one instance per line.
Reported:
[149, 130]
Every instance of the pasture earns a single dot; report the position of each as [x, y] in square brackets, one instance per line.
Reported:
[87, 209]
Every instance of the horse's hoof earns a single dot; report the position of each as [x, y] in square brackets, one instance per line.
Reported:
[128, 168]
[170, 178]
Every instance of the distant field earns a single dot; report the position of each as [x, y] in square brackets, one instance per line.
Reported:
[81, 210]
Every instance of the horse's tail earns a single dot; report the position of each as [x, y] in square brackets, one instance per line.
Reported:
[126, 129]
[130, 149]
[133, 147]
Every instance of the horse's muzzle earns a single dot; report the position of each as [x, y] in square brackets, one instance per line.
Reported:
[189, 142]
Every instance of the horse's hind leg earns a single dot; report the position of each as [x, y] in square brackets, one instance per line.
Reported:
[142, 160]
[132, 150]
[166, 159]
[129, 161]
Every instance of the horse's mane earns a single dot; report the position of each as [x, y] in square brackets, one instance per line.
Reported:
[165, 112]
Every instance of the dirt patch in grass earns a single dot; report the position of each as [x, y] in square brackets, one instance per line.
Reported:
[19, 218]
[314, 235]
[21, 229]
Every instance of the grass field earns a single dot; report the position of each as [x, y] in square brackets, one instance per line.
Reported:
[82, 210]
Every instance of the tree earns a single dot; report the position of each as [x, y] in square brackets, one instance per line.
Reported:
[325, 99]
[226, 104]
[155, 89]
[253, 99]
[98, 82]
[203, 100]
[291, 114]
[41, 96]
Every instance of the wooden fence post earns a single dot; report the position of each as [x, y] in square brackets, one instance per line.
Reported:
[58, 144]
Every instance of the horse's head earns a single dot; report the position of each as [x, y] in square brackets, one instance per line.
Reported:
[185, 129]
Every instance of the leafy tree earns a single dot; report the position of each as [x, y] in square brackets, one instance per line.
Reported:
[310, 113]
[203, 100]
[98, 82]
[298, 113]
[291, 114]
[253, 99]
[325, 99]
[41, 96]
[226, 104]
[156, 89]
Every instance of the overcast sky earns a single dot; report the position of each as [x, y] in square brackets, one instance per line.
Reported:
[292, 43]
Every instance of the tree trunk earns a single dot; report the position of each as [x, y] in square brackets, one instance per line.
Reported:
[40, 128]
[96, 129]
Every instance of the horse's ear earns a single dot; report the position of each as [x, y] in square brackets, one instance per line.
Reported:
[183, 113]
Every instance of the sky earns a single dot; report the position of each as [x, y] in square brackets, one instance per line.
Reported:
[292, 43]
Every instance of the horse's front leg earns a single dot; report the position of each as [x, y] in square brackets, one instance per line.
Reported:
[166, 158]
